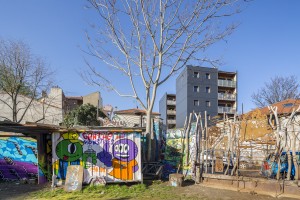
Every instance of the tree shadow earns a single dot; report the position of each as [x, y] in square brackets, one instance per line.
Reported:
[15, 190]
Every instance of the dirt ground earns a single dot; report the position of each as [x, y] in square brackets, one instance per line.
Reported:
[188, 191]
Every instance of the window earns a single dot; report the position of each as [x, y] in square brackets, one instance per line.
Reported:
[196, 88]
[207, 103]
[196, 102]
[196, 74]
[207, 75]
[288, 105]
[208, 116]
[207, 89]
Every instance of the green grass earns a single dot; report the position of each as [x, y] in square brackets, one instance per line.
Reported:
[156, 190]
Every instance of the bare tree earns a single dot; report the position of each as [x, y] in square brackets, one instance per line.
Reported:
[149, 41]
[23, 77]
[278, 89]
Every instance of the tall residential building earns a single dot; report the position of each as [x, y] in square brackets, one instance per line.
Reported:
[167, 110]
[202, 89]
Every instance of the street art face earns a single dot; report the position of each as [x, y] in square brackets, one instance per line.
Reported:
[125, 150]
[110, 155]
[68, 151]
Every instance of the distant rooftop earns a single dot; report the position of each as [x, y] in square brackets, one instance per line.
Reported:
[75, 97]
[283, 107]
[134, 111]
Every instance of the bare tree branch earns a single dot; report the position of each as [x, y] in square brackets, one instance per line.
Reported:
[278, 89]
[23, 76]
[149, 41]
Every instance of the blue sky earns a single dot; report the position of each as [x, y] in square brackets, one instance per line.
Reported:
[266, 43]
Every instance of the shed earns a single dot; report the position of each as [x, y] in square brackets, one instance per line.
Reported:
[109, 153]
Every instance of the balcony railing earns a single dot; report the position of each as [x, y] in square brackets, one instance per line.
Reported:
[227, 83]
[171, 112]
[171, 102]
[222, 96]
[171, 121]
[228, 110]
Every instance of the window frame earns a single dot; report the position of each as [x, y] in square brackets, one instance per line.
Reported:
[207, 90]
[207, 76]
[196, 88]
[208, 103]
[196, 74]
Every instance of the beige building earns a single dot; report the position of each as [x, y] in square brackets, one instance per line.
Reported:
[72, 102]
[50, 109]
[47, 110]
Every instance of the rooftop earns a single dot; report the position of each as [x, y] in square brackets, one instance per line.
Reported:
[283, 107]
[134, 111]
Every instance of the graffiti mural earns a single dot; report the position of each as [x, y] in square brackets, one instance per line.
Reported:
[18, 158]
[115, 156]
[173, 156]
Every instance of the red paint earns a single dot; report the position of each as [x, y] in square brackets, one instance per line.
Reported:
[96, 136]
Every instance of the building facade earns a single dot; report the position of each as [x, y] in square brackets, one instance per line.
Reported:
[73, 102]
[200, 89]
[133, 117]
[49, 109]
[167, 110]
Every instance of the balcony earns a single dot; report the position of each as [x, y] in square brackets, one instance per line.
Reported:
[227, 83]
[228, 110]
[171, 121]
[171, 112]
[171, 102]
[228, 97]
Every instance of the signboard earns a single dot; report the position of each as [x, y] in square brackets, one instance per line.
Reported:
[74, 178]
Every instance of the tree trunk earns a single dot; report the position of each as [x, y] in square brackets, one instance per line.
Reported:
[294, 156]
[149, 135]
[289, 157]
[14, 109]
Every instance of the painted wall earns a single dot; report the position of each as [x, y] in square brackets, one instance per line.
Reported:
[114, 156]
[173, 155]
[18, 157]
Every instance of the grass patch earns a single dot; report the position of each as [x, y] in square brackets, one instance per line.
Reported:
[157, 190]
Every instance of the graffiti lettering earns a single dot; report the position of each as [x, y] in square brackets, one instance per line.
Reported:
[96, 136]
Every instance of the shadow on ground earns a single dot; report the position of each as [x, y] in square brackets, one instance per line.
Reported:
[13, 190]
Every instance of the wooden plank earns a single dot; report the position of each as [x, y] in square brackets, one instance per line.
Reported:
[74, 178]
[219, 165]
[219, 176]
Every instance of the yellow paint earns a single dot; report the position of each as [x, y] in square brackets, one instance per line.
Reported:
[72, 136]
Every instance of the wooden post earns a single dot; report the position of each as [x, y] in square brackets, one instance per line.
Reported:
[202, 149]
[182, 145]
[187, 140]
[206, 143]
